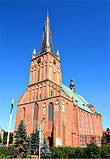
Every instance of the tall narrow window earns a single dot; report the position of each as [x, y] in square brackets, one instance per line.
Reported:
[33, 97]
[35, 114]
[94, 123]
[90, 120]
[41, 92]
[49, 91]
[35, 74]
[38, 75]
[46, 70]
[56, 92]
[54, 68]
[45, 91]
[37, 92]
[85, 120]
[79, 115]
[31, 76]
[42, 72]
[50, 112]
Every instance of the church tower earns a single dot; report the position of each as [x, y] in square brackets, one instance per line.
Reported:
[69, 119]
[45, 66]
[45, 83]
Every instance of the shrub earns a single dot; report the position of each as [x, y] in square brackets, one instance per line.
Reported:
[80, 152]
[92, 151]
[8, 152]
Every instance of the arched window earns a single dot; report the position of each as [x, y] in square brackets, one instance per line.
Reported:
[50, 112]
[57, 105]
[36, 109]
[44, 108]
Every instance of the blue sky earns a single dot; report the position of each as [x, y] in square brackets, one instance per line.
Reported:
[80, 30]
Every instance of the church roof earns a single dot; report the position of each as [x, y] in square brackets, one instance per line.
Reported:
[78, 100]
[46, 38]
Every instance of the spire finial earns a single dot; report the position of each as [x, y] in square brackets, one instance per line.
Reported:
[57, 52]
[34, 52]
[47, 12]
[46, 43]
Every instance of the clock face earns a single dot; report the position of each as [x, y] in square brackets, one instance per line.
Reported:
[39, 60]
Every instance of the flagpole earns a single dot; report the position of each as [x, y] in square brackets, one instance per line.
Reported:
[10, 121]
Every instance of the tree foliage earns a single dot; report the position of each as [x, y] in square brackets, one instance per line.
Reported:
[21, 138]
[34, 142]
[91, 151]
[8, 152]
[45, 149]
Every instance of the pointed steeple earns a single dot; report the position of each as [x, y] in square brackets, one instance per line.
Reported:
[46, 43]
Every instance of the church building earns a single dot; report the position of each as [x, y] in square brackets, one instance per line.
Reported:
[69, 119]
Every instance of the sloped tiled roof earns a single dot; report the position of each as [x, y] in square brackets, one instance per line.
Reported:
[79, 100]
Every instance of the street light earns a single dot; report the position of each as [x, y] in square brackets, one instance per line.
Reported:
[40, 136]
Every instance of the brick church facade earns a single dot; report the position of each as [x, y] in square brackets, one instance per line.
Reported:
[69, 119]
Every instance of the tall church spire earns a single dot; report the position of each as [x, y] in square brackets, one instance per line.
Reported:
[46, 43]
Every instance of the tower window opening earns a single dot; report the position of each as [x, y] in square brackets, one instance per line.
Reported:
[40, 92]
[37, 91]
[38, 75]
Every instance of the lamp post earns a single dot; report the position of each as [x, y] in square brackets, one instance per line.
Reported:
[40, 136]
[11, 112]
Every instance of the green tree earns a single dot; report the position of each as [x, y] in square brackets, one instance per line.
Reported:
[5, 138]
[21, 136]
[92, 150]
[45, 152]
[34, 142]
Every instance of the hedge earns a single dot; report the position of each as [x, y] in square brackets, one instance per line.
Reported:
[8, 152]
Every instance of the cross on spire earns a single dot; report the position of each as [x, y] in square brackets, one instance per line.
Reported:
[46, 43]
